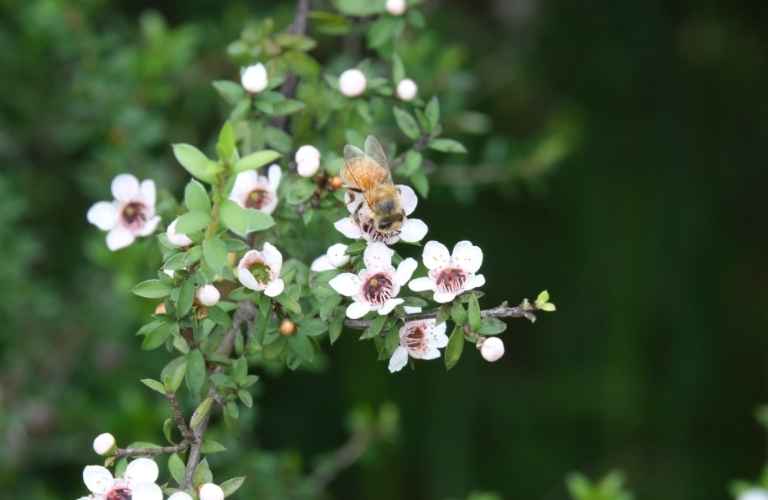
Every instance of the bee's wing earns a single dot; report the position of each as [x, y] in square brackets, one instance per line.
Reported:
[357, 170]
[375, 151]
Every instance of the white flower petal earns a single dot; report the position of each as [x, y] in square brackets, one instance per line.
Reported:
[148, 192]
[435, 255]
[146, 491]
[439, 338]
[443, 297]
[474, 281]
[308, 167]
[421, 284]
[275, 288]
[432, 352]
[119, 237]
[357, 310]
[125, 187]
[337, 254]
[408, 198]
[150, 226]
[348, 228]
[352, 200]
[142, 470]
[247, 279]
[175, 238]
[405, 270]
[103, 215]
[275, 174]
[322, 263]
[97, 479]
[398, 360]
[245, 182]
[413, 230]
[387, 307]
[467, 256]
[346, 284]
[306, 152]
[377, 255]
[208, 295]
[412, 309]
[272, 257]
[210, 491]
[180, 495]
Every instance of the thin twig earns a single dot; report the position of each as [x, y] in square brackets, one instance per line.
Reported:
[288, 89]
[178, 417]
[148, 452]
[340, 459]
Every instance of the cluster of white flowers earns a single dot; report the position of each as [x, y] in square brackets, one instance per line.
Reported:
[137, 483]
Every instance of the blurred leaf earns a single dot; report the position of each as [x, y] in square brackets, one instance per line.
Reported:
[215, 254]
[177, 468]
[191, 222]
[407, 123]
[256, 160]
[173, 374]
[154, 385]
[230, 486]
[432, 113]
[201, 412]
[231, 92]
[152, 289]
[454, 348]
[196, 197]
[196, 163]
[196, 371]
[447, 146]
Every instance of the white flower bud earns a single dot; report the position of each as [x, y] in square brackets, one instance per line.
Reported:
[308, 168]
[180, 495]
[104, 443]
[254, 78]
[352, 82]
[177, 239]
[306, 152]
[337, 254]
[492, 349]
[407, 89]
[396, 7]
[208, 295]
[754, 494]
[210, 491]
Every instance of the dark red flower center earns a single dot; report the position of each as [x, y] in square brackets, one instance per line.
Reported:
[120, 493]
[258, 198]
[134, 215]
[451, 279]
[378, 288]
[414, 338]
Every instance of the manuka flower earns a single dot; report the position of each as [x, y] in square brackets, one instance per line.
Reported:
[130, 215]
[419, 339]
[376, 287]
[334, 258]
[360, 224]
[260, 270]
[138, 482]
[450, 274]
[252, 190]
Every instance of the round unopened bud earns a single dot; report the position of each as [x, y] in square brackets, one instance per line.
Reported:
[352, 82]
[287, 327]
[335, 182]
[104, 443]
[396, 7]
[254, 78]
[754, 494]
[407, 89]
[180, 495]
[337, 254]
[208, 295]
[308, 167]
[306, 152]
[492, 349]
[160, 309]
[210, 491]
[177, 239]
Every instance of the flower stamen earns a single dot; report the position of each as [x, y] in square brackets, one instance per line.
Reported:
[378, 289]
[258, 198]
[451, 279]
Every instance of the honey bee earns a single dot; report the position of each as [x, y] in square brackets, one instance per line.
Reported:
[368, 173]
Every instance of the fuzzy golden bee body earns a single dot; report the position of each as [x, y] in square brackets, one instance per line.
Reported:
[368, 173]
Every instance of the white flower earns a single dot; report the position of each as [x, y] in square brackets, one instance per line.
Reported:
[754, 494]
[335, 257]
[210, 491]
[180, 495]
[260, 270]
[396, 7]
[208, 295]
[492, 349]
[254, 78]
[252, 190]
[175, 238]
[450, 274]
[131, 214]
[307, 160]
[419, 339]
[360, 222]
[104, 443]
[376, 287]
[407, 89]
[138, 482]
[352, 82]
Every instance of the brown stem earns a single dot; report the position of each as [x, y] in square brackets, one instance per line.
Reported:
[298, 27]
[148, 452]
[178, 417]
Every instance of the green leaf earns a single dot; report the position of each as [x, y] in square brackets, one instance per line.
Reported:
[543, 297]
[329, 23]
[173, 374]
[158, 336]
[196, 163]
[447, 146]
[245, 397]
[358, 8]
[458, 313]
[492, 326]
[407, 123]
[240, 370]
[287, 107]
[433, 113]
[302, 347]
[215, 254]
[474, 313]
[300, 191]
[335, 328]
[454, 348]
[201, 412]
[186, 298]
[177, 468]
[153, 384]
[202, 474]
[192, 222]
[196, 371]
[382, 31]
[242, 221]
[278, 139]
[256, 160]
[230, 91]
[375, 328]
[295, 41]
[313, 327]
[398, 70]
[226, 146]
[211, 446]
[421, 183]
[230, 486]
[411, 164]
[152, 289]
[196, 197]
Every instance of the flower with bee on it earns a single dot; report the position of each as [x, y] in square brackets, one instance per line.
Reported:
[252, 190]
[138, 482]
[130, 215]
[374, 288]
[419, 339]
[450, 274]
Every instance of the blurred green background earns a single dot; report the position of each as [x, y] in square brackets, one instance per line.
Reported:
[623, 171]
